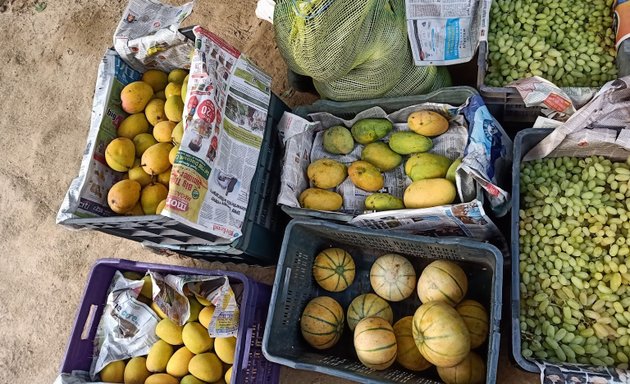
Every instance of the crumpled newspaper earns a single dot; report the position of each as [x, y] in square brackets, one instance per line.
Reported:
[147, 36]
[598, 128]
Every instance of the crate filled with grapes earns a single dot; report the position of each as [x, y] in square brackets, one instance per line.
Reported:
[570, 248]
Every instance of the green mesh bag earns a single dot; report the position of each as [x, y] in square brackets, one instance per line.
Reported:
[352, 49]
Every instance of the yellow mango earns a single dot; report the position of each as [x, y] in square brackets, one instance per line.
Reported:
[155, 158]
[136, 371]
[177, 134]
[203, 301]
[170, 332]
[225, 348]
[138, 174]
[427, 123]
[452, 170]
[184, 88]
[120, 154]
[147, 288]
[190, 379]
[161, 378]
[133, 125]
[135, 96]
[155, 111]
[173, 89]
[427, 166]
[178, 364]
[142, 142]
[156, 79]
[195, 309]
[177, 75]
[113, 372]
[160, 207]
[406, 143]
[123, 196]
[429, 193]
[163, 131]
[383, 202]
[206, 315]
[228, 375]
[196, 338]
[381, 156]
[326, 173]
[135, 211]
[320, 199]
[158, 311]
[164, 178]
[206, 367]
[338, 140]
[174, 108]
[367, 131]
[172, 154]
[151, 196]
[365, 176]
[158, 356]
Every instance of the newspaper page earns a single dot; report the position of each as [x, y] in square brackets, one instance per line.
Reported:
[127, 326]
[446, 32]
[485, 147]
[225, 115]
[147, 36]
[598, 128]
[558, 103]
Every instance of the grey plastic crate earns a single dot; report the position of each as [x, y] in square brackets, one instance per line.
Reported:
[294, 286]
[349, 109]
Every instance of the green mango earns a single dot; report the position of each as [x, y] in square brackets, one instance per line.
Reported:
[426, 166]
[381, 156]
[407, 142]
[383, 202]
[367, 131]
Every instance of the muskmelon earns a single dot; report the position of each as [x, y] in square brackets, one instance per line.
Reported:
[442, 281]
[476, 319]
[408, 354]
[440, 334]
[392, 277]
[375, 343]
[472, 370]
[322, 322]
[368, 305]
[333, 269]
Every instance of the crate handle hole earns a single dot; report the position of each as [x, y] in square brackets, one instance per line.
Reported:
[89, 321]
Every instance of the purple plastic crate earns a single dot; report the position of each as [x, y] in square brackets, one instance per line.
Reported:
[254, 304]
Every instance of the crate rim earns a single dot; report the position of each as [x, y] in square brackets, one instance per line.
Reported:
[497, 281]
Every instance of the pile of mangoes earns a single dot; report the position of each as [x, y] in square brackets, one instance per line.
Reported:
[182, 355]
[432, 176]
[147, 143]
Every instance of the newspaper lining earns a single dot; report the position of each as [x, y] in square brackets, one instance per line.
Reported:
[486, 152]
[448, 32]
[225, 115]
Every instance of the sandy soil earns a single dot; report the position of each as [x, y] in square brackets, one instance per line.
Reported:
[50, 53]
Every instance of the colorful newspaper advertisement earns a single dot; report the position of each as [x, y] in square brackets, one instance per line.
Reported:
[225, 115]
[446, 32]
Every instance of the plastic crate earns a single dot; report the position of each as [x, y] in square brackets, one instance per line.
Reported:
[262, 225]
[294, 287]
[507, 104]
[252, 366]
[349, 109]
[525, 140]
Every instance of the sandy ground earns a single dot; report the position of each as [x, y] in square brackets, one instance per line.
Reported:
[50, 53]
